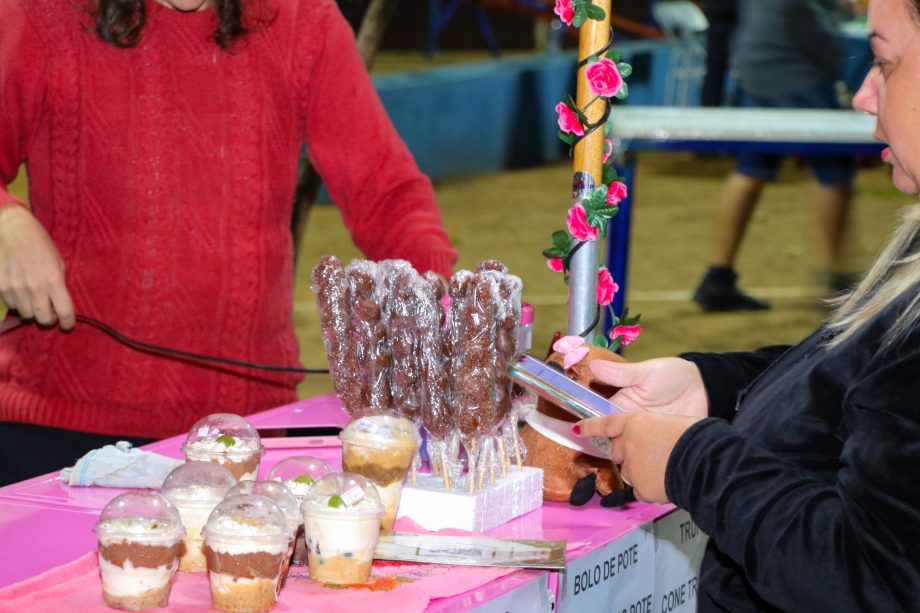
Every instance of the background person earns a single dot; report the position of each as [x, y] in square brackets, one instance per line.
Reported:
[161, 139]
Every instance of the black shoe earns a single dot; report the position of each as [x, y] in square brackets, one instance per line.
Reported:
[713, 297]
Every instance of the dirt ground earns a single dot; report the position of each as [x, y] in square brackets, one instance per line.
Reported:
[510, 216]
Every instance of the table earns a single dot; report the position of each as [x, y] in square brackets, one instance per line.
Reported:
[44, 524]
[722, 130]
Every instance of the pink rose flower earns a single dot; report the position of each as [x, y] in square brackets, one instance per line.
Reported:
[565, 11]
[608, 149]
[606, 287]
[615, 193]
[578, 225]
[568, 121]
[572, 348]
[628, 333]
[555, 264]
[603, 77]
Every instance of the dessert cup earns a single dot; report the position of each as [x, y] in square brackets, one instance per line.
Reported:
[381, 448]
[228, 440]
[195, 488]
[139, 535]
[341, 516]
[245, 541]
[298, 474]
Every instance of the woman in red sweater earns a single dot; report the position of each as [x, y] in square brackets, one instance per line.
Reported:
[161, 139]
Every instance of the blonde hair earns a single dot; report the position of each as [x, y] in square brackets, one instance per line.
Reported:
[893, 275]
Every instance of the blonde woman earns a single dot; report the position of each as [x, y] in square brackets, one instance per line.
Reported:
[801, 462]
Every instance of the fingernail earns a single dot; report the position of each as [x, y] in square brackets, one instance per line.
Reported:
[576, 429]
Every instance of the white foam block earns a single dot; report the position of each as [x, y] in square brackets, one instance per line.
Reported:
[427, 504]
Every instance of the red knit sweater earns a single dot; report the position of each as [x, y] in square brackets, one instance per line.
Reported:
[165, 173]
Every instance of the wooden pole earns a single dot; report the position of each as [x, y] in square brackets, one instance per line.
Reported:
[588, 162]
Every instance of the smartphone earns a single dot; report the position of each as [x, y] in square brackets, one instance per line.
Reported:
[552, 385]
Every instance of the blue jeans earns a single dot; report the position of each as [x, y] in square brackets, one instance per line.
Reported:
[828, 170]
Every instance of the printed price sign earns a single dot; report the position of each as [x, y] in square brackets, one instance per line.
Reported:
[679, 549]
[618, 577]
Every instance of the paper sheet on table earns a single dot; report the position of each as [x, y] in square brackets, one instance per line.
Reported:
[471, 550]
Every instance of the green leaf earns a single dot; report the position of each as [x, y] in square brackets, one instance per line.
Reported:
[600, 340]
[609, 174]
[595, 12]
[569, 101]
[553, 252]
[335, 501]
[580, 17]
[227, 440]
[599, 196]
[614, 55]
[562, 240]
[568, 139]
[623, 92]
[307, 479]
[624, 69]
[631, 321]
[625, 313]
[615, 344]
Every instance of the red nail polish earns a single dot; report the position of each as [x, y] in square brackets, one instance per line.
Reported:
[576, 429]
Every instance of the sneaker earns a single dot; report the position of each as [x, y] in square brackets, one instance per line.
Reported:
[713, 297]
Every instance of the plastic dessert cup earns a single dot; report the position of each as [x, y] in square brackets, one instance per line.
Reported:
[195, 488]
[341, 516]
[289, 505]
[381, 448]
[298, 474]
[139, 535]
[245, 541]
[228, 440]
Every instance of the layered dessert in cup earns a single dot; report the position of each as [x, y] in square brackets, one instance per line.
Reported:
[139, 535]
[341, 517]
[298, 474]
[228, 440]
[289, 505]
[195, 488]
[381, 448]
[245, 541]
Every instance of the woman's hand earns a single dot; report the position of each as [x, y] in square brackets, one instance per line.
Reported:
[32, 271]
[662, 385]
[642, 444]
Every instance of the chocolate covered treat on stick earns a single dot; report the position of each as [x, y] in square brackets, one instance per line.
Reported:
[370, 335]
[402, 302]
[330, 287]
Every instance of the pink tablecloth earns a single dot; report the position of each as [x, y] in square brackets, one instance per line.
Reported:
[396, 586]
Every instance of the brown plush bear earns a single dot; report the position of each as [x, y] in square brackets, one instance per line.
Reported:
[570, 475]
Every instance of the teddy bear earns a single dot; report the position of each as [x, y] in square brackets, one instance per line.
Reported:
[571, 475]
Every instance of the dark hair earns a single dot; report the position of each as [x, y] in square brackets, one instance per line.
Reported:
[119, 22]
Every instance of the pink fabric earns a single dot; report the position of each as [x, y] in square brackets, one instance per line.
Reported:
[400, 588]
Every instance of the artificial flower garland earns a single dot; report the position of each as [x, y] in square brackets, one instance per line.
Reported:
[587, 220]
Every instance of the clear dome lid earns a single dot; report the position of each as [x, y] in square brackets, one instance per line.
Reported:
[247, 517]
[140, 514]
[198, 482]
[299, 473]
[343, 493]
[223, 433]
[278, 493]
[382, 432]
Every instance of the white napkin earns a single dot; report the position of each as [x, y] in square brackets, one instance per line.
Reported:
[120, 465]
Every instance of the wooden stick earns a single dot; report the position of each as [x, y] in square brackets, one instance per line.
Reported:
[492, 464]
[445, 471]
[471, 466]
[504, 459]
[517, 451]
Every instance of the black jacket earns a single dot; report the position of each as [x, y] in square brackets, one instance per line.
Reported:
[807, 475]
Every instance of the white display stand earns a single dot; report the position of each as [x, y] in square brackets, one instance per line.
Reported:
[427, 504]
